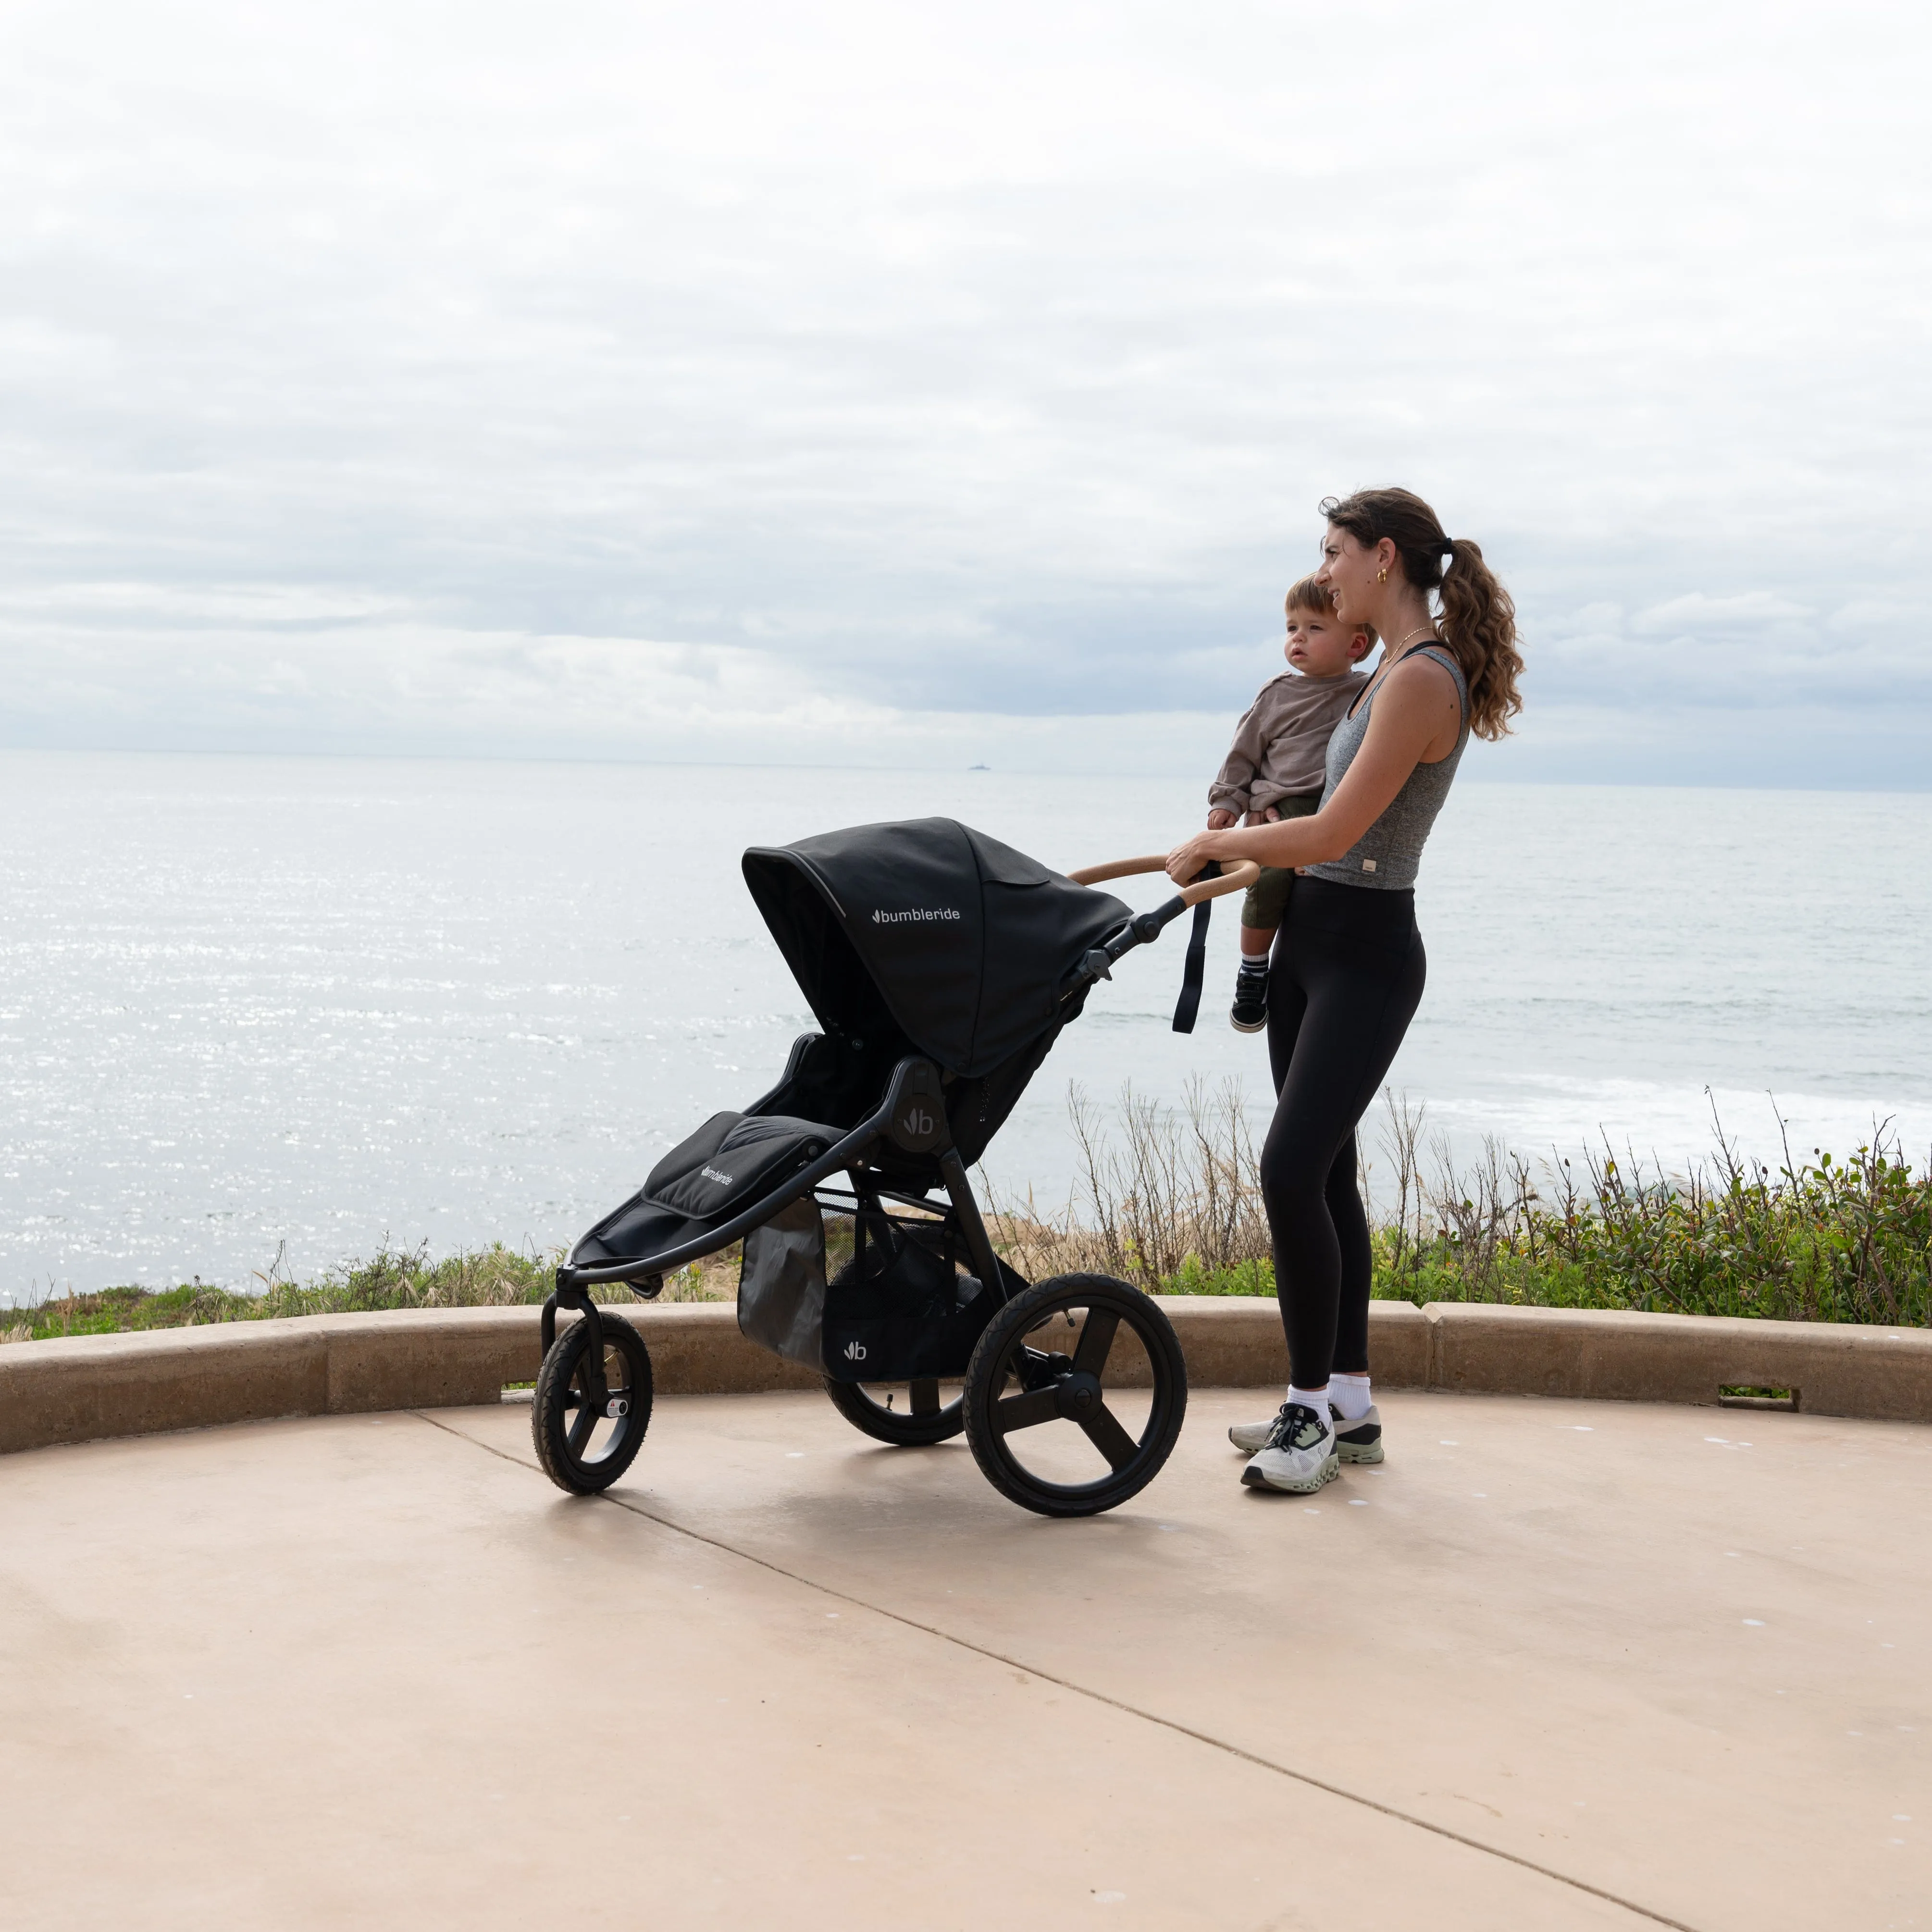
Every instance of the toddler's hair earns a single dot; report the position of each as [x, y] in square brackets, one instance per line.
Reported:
[1309, 595]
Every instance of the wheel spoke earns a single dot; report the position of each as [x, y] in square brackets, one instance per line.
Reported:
[926, 1397]
[1025, 1412]
[590, 1377]
[1104, 1431]
[1096, 1339]
[588, 1414]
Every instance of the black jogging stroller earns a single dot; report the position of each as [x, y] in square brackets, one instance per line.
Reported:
[942, 966]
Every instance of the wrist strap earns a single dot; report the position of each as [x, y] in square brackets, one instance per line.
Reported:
[1196, 969]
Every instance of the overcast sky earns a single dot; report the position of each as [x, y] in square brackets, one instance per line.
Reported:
[803, 384]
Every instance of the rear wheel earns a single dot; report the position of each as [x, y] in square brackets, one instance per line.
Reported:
[1074, 1395]
[908, 1414]
[591, 1406]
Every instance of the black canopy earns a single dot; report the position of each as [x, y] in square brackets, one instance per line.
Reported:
[962, 942]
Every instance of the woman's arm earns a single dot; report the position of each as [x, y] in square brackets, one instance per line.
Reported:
[1416, 710]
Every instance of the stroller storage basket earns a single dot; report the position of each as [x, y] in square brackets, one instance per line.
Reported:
[904, 1307]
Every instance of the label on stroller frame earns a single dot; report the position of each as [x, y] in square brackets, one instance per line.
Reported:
[915, 914]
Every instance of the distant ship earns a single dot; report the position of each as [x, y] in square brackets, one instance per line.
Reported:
[979, 768]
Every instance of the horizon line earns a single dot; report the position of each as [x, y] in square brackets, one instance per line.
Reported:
[1474, 776]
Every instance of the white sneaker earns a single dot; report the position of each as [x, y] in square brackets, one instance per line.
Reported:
[1357, 1442]
[1247, 1437]
[1300, 1455]
[1360, 1440]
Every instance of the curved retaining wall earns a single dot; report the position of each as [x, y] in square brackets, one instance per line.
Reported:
[90, 1386]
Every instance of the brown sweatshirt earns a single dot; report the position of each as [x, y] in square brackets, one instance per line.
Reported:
[1281, 744]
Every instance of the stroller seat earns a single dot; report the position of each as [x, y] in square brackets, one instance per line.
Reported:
[729, 1162]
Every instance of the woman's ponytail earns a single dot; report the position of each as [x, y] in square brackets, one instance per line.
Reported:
[1478, 624]
[1477, 618]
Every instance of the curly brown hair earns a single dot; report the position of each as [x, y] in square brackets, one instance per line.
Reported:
[1477, 618]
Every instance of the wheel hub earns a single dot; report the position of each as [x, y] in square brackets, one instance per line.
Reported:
[1078, 1396]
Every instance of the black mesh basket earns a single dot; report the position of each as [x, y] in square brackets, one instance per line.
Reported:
[901, 1309]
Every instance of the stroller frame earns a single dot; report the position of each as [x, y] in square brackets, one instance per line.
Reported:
[598, 1368]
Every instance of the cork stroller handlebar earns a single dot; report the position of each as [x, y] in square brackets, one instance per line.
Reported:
[1234, 879]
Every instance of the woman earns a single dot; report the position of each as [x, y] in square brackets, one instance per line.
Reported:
[1347, 972]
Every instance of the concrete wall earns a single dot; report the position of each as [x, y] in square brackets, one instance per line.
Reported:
[89, 1387]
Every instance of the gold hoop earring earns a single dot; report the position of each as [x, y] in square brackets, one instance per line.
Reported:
[1382, 576]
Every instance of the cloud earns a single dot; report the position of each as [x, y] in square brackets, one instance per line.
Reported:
[1751, 612]
[945, 364]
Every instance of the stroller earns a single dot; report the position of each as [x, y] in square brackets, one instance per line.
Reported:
[942, 966]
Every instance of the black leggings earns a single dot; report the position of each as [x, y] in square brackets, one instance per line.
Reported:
[1346, 981]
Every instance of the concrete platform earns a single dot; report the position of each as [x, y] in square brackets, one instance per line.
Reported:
[1556, 1664]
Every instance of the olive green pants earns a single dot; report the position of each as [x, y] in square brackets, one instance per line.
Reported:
[1266, 898]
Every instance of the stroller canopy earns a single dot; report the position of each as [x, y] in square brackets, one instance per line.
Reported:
[960, 942]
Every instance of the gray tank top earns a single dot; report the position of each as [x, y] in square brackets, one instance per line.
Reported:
[1389, 854]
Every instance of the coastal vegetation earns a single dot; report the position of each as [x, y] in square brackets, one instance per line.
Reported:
[1170, 1198]
[392, 1279]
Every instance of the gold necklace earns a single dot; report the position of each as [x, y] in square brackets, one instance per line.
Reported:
[1394, 658]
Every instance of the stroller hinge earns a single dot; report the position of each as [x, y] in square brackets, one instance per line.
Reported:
[916, 1107]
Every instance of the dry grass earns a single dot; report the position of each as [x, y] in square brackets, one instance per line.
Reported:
[1171, 1199]
[1177, 1194]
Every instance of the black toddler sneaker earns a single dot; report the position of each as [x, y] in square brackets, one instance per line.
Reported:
[1249, 1014]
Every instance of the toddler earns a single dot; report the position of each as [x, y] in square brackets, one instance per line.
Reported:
[1275, 768]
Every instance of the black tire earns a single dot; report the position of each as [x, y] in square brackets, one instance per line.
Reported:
[923, 1421]
[1066, 1396]
[567, 1420]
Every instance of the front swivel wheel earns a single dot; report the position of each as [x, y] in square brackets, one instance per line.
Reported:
[592, 1404]
[1074, 1395]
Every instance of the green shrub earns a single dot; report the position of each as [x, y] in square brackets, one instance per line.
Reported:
[1177, 1210]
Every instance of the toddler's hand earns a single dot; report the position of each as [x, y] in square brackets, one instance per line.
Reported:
[1220, 819]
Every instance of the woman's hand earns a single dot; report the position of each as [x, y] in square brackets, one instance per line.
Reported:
[1184, 861]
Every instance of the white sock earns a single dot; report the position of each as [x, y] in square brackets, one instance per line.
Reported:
[1314, 1399]
[1350, 1394]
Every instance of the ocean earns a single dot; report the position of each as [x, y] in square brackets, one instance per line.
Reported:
[296, 1007]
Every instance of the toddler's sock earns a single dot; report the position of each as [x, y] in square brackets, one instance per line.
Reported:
[1254, 968]
[1349, 1394]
